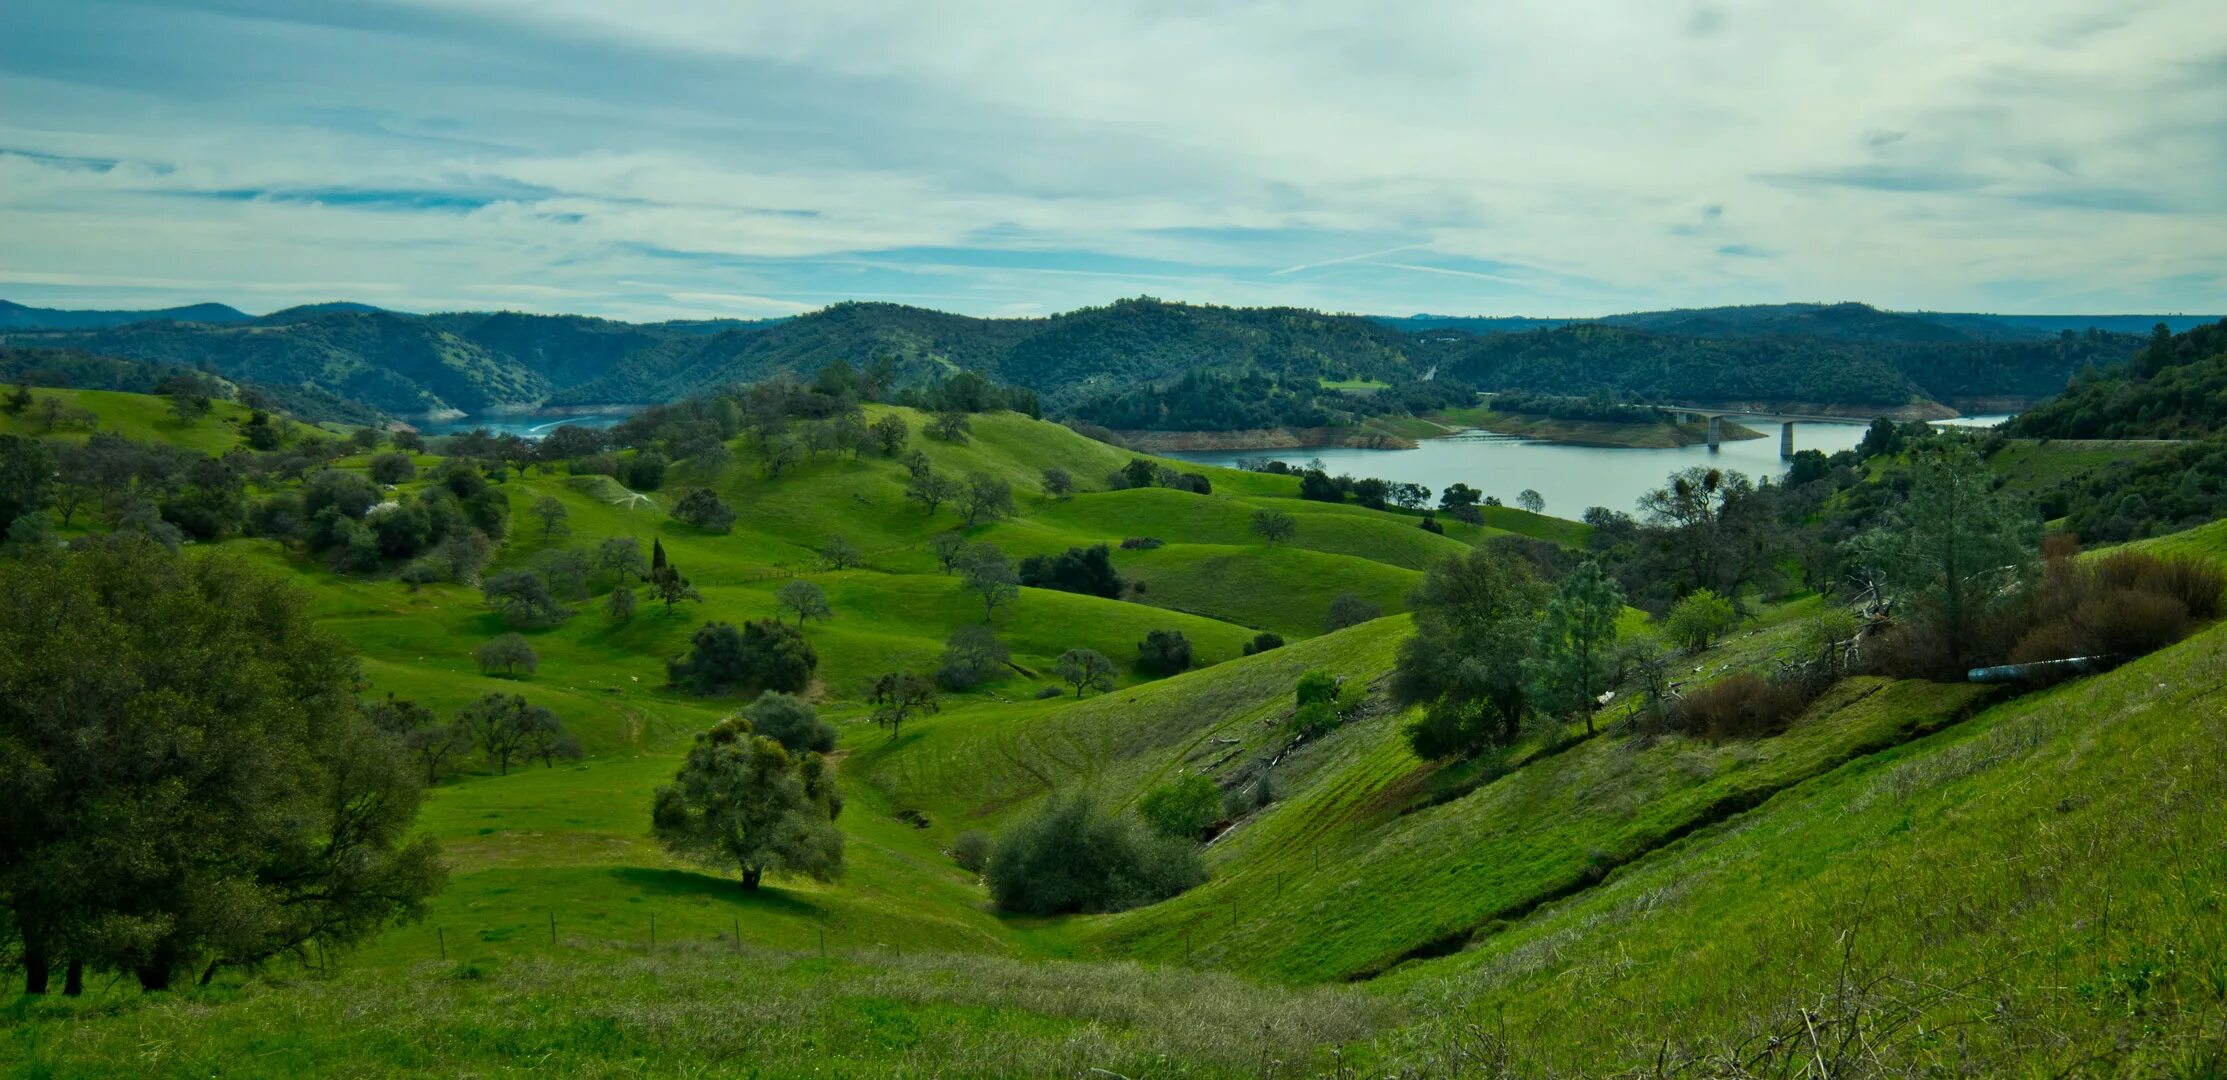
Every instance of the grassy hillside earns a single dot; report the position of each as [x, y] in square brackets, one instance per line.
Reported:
[1916, 872]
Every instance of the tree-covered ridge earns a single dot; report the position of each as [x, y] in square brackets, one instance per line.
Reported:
[1587, 358]
[1129, 359]
[2176, 388]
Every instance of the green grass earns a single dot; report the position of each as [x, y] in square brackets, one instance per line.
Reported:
[136, 416]
[1570, 909]
[2034, 466]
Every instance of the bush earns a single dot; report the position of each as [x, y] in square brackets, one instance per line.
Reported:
[647, 471]
[1742, 706]
[790, 721]
[1262, 642]
[1044, 692]
[1184, 807]
[1141, 543]
[972, 850]
[1072, 856]
[393, 469]
[704, 509]
[1164, 652]
[1696, 622]
[1246, 798]
[1088, 571]
[765, 654]
[1349, 610]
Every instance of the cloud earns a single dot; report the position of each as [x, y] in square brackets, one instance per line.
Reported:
[713, 157]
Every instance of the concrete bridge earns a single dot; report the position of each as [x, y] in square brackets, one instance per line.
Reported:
[1683, 414]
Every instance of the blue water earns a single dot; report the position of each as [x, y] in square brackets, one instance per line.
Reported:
[525, 424]
[1571, 478]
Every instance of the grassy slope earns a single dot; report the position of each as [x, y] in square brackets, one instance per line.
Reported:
[137, 416]
[570, 841]
[2033, 891]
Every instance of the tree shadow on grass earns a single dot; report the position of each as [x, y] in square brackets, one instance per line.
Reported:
[692, 885]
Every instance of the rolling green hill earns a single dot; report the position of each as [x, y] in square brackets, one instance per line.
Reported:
[1912, 877]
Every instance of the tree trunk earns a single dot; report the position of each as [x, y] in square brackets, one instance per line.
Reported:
[750, 876]
[208, 973]
[73, 978]
[35, 965]
[152, 977]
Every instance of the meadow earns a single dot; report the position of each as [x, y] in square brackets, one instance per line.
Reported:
[1572, 905]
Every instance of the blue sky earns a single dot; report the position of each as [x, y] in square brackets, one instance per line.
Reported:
[712, 157]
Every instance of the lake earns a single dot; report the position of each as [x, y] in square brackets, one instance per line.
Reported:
[529, 425]
[1571, 478]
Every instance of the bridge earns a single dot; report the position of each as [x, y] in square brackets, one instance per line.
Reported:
[1686, 414]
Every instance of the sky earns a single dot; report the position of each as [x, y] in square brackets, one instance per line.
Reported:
[698, 158]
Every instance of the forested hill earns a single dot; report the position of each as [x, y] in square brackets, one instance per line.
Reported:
[1125, 359]
[2176, 388]
[1838, 322]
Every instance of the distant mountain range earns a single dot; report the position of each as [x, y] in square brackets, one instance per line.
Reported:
[1839, 322]
[412, 365]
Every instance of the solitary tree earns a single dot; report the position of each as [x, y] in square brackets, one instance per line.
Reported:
[900, 695]
[507, 654]
[951, 426]
[1531, 500]
[1573, 649]
[840, 554]
[1058, 483]
[552, 515]
[1474, 617]
[804, 600]
[889, 434]
[1958, 547]
[621, 604]
[1346, 610]
[622, 557]
[1086, 669]
[1274, 526]
[1697, 621]
[523, 597]
[946, 547]
[703, 508]
[398, 469]
[987, 573]
[742, 800]
[931, 490]
[985, 498]
[972, 655]
[1164, 652]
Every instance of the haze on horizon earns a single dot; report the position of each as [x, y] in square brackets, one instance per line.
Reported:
[740, 159]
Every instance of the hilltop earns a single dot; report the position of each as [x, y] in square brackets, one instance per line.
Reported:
[1139, 364]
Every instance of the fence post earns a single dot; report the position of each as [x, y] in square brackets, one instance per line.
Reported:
[441, 936]
[552, 927]
[738, 932]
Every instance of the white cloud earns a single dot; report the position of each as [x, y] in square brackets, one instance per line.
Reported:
[710, 157]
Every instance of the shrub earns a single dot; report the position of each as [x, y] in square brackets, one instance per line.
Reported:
[1141, 543]
[704, 509]
[1044, 692]
[790, 721]
[1088, 571]
[1072, 856]
[765, 654]
[1742, 706]
[971, 850]
[1246, 798]
[1262, 642]
[647, 471]
[1430, 524]
[1696, 622]
[1349, 610]
[1164, 652]
[1184, 807]
[393, 468]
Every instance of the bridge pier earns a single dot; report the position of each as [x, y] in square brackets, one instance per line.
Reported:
[1786, 441]
[1716, 431]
